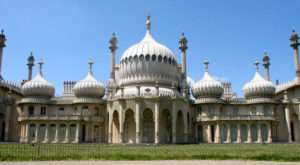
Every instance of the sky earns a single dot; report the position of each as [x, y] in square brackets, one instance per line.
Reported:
[231, 34]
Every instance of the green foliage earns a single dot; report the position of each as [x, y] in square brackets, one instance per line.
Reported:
[274, 152]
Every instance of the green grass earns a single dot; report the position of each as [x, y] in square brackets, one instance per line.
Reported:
[274, 152]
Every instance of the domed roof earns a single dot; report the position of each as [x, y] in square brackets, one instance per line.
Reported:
[258, 87]
[38, 86]
[147, 62]
[89, 86]
[207, 87]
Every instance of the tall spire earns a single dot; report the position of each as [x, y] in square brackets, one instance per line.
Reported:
[266, 64]
[206, 65]
[30, 64]
[41, 62]
[295, 44]
[2, 45]
[148, 23]
[256, 65]
[113, 47]
[90, 62]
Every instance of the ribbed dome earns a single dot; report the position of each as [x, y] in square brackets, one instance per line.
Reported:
[207, 87]
[38, 87]
[147, 61]
[89, 87]
[258, 87]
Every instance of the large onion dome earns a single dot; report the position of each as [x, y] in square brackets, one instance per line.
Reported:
[38, 86]
[258, 87]
[89, 86]
[207, 87]
[147, 61]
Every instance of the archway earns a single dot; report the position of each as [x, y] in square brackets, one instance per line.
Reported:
[42, 132]
[200, 134]
[32, 134]
[179, 128]
[224, 133]
[295, 128]
[129, 127]
[2, 127]
[264, 132]
[115, 128]
[62, 132]
[51, 135]
[254, 132]
[148, 126]
[233, 133]
[165, 127]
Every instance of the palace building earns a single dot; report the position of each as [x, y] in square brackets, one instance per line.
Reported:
[150, 99]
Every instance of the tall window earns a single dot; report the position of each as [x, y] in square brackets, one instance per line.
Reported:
[30, 110]
[61, 110]
[43, 111]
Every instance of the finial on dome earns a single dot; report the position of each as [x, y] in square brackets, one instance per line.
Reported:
[206, 65]
[256, 65]
[90, 62]
[41, 62]
[183, 42]
[113, 42]
[148, 23]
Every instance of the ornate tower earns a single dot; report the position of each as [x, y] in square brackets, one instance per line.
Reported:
[2, 45]
[113, 47]
[294, 44]
[266, 64]
[183, 47]
[30, 64]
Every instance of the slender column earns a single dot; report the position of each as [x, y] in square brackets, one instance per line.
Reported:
[113, 47]
[173, 123]
[7, 122]
[2, 45]
[67, 133]
[27, 133]
[288, 121]
[217, 134]
[37, 127]
[77, 133]
[121, 124]
[266, 65]
[259, 137]
[185, 128]
[110, 127]
[249, 138]
[228, 134]
[209, 134]
[137, 122]
[269, 133]
[46, 133]
[56, 133]
[239, 140]
[294, 44]
[156, 113]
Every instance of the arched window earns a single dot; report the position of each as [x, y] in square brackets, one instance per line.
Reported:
[153, 57]
[31, 110]
[141, 57]
[159, 58]
[147, 57]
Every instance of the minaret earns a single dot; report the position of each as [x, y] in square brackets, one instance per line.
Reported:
[294, 44]
[148, 24]
[113, 47]
[266, 64]
[90, 62]
[256, 65]
[30, 64]
[2, 45]
[41, 67]
[183, 47]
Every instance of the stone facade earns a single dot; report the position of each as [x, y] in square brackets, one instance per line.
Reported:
[148, 99]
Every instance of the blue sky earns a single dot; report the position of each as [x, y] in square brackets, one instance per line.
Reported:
[232, 34]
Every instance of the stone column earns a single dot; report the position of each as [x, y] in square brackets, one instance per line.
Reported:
[110, 127]
[137, 123]
[288, 121]
[173, 122]
[7, 122]
[77, 133]
[121, 124]
[46, 133]
[156, 113]
[185, 128]
[249, 138]
[56, 133]
[67, 136]
[37, 127]
[217, 134]
[259, 137]
[239, 140]
[26, 133]
[269, 133]
[209, 133]
[228, 139]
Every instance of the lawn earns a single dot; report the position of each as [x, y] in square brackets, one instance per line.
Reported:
[274, 152]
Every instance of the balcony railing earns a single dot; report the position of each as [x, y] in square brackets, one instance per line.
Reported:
[235, 117]
[60, 117]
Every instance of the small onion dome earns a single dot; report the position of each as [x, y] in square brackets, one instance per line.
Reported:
[38, 86]
[89, 86]
[258, 87]
[207, 87]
